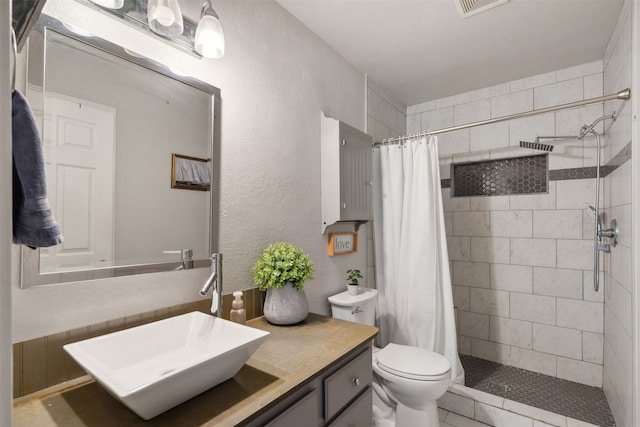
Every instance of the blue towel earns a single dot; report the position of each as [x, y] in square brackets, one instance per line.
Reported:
[33, 222]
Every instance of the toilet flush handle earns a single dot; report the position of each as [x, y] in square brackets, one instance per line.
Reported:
[357, 310]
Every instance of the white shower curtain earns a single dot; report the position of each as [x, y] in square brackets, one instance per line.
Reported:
[415, 301]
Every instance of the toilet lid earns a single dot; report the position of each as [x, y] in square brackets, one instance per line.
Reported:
[343, 299]
[413, 362]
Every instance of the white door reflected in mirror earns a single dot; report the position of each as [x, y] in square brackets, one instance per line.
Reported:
[79, 152]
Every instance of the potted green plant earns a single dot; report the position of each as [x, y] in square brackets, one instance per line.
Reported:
[353, 286]
[282, 270]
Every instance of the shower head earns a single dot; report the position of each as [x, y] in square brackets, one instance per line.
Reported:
[585, 129]
[536, 145]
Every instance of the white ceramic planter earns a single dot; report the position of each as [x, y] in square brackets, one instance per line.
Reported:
[286, 305]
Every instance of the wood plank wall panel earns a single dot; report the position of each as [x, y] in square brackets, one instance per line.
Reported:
[17, 370]
[57, 362]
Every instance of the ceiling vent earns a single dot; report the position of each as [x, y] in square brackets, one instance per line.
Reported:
[467, 8]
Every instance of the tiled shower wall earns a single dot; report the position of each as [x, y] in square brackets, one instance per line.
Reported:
[619, 287]
[522, 264]
[386, 118]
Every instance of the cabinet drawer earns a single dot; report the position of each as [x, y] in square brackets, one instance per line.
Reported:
[302, 413]
[358, 414]
[345, 384]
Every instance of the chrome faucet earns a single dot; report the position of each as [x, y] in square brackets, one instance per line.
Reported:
[215, 281]
[186, 256]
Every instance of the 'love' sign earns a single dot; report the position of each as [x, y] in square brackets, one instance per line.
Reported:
[342, 243]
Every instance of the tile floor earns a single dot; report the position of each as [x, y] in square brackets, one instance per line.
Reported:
[560, 396]
[460, 421]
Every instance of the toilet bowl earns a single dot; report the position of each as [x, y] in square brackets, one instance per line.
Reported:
[408, 380]
[412, 379]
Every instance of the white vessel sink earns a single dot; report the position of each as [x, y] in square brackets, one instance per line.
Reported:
[154, 367]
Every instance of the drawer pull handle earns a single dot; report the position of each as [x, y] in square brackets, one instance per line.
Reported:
[356, 381]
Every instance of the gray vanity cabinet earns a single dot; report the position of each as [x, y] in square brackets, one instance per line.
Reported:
[347, 383]
[302, 413]
[358, 414]
[341, 396]
[314, 374]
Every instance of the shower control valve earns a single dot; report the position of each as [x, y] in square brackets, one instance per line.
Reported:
[611, 233]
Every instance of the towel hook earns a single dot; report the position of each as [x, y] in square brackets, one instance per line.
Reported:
[15, 59]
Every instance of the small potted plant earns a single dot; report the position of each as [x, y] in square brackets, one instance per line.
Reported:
[353, 274]
[282, 271]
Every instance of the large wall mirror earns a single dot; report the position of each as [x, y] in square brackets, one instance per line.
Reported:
[112, 125]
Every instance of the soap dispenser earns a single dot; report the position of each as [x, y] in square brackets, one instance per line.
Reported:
[238, 313]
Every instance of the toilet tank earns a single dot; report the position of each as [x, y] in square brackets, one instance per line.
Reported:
[359, 308]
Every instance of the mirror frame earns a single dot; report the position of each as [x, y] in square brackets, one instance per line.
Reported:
[30, 260]
[25, 15]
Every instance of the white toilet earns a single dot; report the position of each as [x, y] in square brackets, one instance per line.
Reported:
[407, 379]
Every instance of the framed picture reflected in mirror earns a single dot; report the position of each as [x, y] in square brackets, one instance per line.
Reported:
[190, 173]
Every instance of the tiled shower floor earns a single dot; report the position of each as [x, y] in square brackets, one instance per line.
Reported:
[563, 397]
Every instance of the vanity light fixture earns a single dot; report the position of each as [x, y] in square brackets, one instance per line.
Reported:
[165, 17]
[209, 38]
[111, 4]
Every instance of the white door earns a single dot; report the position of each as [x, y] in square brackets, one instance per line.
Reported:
[79, 149]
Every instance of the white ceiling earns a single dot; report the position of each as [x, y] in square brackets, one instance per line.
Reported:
[421, 50]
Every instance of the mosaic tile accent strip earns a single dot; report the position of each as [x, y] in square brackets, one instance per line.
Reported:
[573, 173]
[518, 175]
[560, 396]
[579, 173]
[616, 161]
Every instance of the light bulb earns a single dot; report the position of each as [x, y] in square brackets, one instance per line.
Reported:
[165, 17]
[209, 37]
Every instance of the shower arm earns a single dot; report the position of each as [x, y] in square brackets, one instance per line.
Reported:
[583, 131]
[558, 137]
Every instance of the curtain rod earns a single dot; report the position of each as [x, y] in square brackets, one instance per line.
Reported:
[623, 94]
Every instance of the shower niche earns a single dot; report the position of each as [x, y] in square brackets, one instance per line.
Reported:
[517, 175]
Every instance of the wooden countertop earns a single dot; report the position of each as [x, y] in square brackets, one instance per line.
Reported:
[288, 358]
